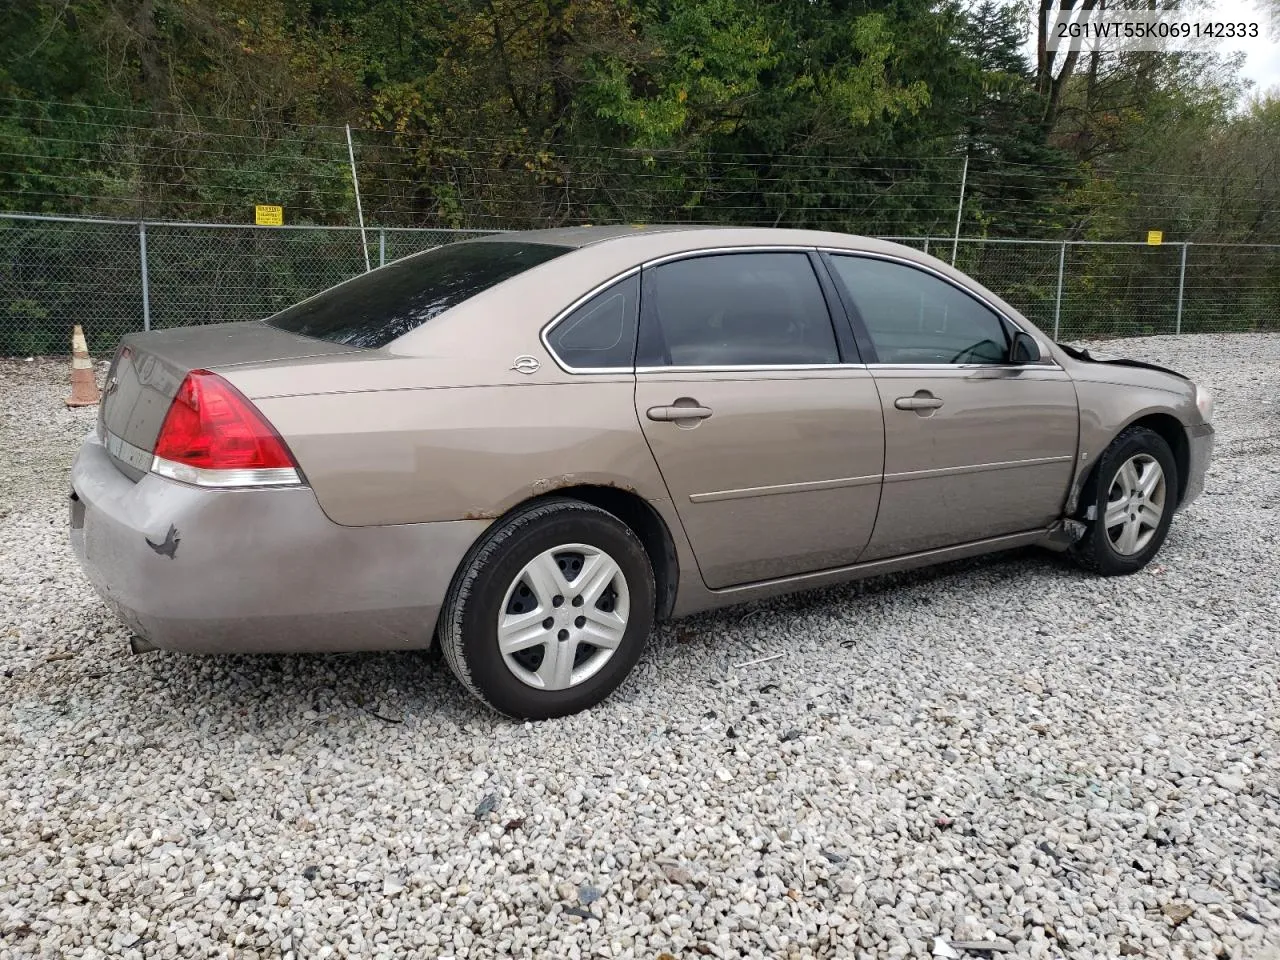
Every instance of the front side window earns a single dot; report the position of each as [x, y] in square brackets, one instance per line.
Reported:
[740, 309]
[601, 333]
[376, 308]
[915, 317]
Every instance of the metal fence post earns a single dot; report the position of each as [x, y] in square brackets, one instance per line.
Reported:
[382, 246]
[1057, 302]
[964, 179]
[1182, 281]
[355, 183]
[146, 280]
[926, 245]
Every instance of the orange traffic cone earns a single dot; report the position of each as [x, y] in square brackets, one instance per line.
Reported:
[84, 386]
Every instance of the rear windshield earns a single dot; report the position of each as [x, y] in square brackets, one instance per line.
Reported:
[375, 308]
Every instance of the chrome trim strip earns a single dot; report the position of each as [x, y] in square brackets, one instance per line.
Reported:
[201, 477]
[752, 367]
[551, 324]
[747, 248]
[768, 491]
[974, 468]
[1034, 367]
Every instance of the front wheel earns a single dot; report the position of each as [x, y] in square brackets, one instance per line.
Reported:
[550, 610]
[1133, 493]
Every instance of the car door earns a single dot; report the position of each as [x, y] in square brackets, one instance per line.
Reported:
[767, 430]
[975, 446]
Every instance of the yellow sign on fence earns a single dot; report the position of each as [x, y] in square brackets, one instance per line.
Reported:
[1155, 237]
[268, 215]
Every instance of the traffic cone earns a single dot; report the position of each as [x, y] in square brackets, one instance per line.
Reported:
[84, 386]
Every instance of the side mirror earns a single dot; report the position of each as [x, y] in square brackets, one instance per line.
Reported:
[1024, 349]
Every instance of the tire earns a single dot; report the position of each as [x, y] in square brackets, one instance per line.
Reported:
[508, 576]
[1105, 550]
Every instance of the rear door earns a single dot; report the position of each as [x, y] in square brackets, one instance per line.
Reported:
[767, 429]
[975, 446]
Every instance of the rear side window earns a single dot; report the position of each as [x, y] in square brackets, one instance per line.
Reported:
[601, 333]
[739, 309]
[376, 308]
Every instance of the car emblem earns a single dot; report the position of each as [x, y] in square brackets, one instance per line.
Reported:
[526, 364]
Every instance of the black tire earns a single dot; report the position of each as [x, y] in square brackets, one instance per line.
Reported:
[468, 620]
[1095, 550]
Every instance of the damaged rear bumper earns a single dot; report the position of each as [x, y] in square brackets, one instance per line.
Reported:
[262, 570]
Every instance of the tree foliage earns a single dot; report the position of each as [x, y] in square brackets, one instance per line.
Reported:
[849, 114]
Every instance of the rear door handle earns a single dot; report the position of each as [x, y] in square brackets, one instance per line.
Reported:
[675, 413]
[917, 403]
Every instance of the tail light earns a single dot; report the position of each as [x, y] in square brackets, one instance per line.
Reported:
[213, 436]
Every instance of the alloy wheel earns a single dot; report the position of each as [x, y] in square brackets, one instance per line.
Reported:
[1135, 504]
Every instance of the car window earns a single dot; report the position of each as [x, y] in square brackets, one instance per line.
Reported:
[377, 307]
[736, 309]
[915, 317]
[602, 332]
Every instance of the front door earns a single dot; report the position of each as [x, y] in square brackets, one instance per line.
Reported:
[770, 444]
[975, 446]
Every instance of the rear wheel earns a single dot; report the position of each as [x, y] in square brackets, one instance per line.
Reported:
[550, 610]
[1133, 494]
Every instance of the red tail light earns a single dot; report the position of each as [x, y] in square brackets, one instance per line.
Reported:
[213, 436]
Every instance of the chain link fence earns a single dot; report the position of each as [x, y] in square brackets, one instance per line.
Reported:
[114, 277]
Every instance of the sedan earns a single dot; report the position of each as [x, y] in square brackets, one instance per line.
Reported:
[529, 447]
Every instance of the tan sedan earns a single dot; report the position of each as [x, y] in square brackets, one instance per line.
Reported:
[532, 446]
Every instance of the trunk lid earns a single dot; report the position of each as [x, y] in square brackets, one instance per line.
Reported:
[149, 367]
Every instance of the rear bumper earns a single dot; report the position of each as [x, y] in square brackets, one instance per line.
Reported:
[1199, 453]
[261, 571]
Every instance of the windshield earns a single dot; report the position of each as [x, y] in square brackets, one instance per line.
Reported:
[375, 308]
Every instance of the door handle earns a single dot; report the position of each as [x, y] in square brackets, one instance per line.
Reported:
[917, 403]
[675, 413]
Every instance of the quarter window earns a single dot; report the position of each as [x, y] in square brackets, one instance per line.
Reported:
[742, 309]
[602, 332]
[914, 317]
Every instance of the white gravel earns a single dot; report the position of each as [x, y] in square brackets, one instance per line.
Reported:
[1004, 748]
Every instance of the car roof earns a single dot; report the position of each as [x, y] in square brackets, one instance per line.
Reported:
[587, 235]
[579, 237]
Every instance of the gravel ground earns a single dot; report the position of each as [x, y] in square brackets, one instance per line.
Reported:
[1002, 748]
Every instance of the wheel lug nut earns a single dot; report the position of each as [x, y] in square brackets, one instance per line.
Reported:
[557, 600]
[563, 634]
[580, 622]
[548, 623]
[577, 601]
